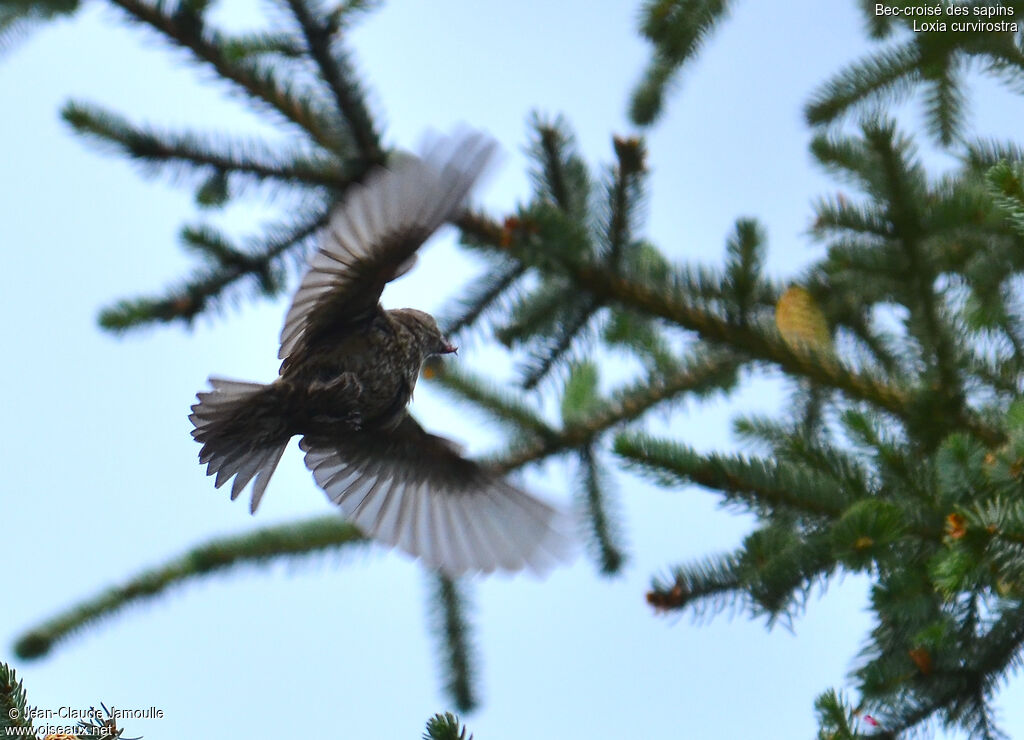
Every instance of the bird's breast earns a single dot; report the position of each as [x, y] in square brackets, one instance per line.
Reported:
[367, 374]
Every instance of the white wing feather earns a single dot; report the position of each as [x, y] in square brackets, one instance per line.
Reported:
[454, 528]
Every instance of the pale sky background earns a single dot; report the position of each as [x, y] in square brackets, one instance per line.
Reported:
[99, 476]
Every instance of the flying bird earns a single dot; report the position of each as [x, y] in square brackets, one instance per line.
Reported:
[348, 372]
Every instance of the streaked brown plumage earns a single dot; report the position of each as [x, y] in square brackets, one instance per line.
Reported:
[347, 374]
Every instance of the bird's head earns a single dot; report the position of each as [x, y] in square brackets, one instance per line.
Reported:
[424, 328]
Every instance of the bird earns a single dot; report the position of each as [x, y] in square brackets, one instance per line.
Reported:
[348, 371]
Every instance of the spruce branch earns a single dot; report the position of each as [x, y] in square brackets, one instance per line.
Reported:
[667, 302]
[779, 564]
[982, 154]
[502, 406]
[886, 77]
[452, 630]
[706, 587]
[770, 575]
[260, 547]
[754, 342]
[187, 29]
[837, 217]
[19, 17]
[700, 377]
[184, 152]
[537, 313]
[790, 441]
[678, 29]
[445, 727]
[669, 299]
[555, 348]
[562, 318]
[560, 176]
[482, 296]
[337, 73]
[904, 186]
[757, 484]
[935, 60]
[624, 198]
[964, 693]
[745, 252]
[945, 102]
[257, 261]
[262, 43]
[643, 337]
[347, 12]
[1006, 184]
[837, 719]
[596, 500]
[13, 704]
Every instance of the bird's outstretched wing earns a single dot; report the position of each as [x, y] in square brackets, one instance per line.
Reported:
[373, 234]
[413, 490]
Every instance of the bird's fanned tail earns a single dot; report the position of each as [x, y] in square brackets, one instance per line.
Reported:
[243, 434]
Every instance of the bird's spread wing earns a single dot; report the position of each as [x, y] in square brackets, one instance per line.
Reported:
[414, 491]
[373, 234]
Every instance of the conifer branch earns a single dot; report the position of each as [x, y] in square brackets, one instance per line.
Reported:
[260, 43]
[185, 28]
[560, 175]
[771, 574]
[935, 60]
[835, 717]
[618, 231]
[756, 483]
[707, 586]
[500, 405]
[452, 631]
[445, 727]
[677, 29]
[483, 295]
[262, 546]
[13, 703]
[595, 499]
[700, 377]
[564, 180]
[641, 335]
[668, 301]
[747, 339]
[945, 103]
[980, 155]
[19, 18]
[189, 151]
[744, 268]
[755, 342]
[1006, 184]
[989, 655]
[904, 184]
[790, 441]
[886, 77]
[536, 314]
[187, 302]
[563, 336]
[337, 73]
[835, 217]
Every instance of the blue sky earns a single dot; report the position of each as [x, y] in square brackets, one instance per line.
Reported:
[99, 476]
